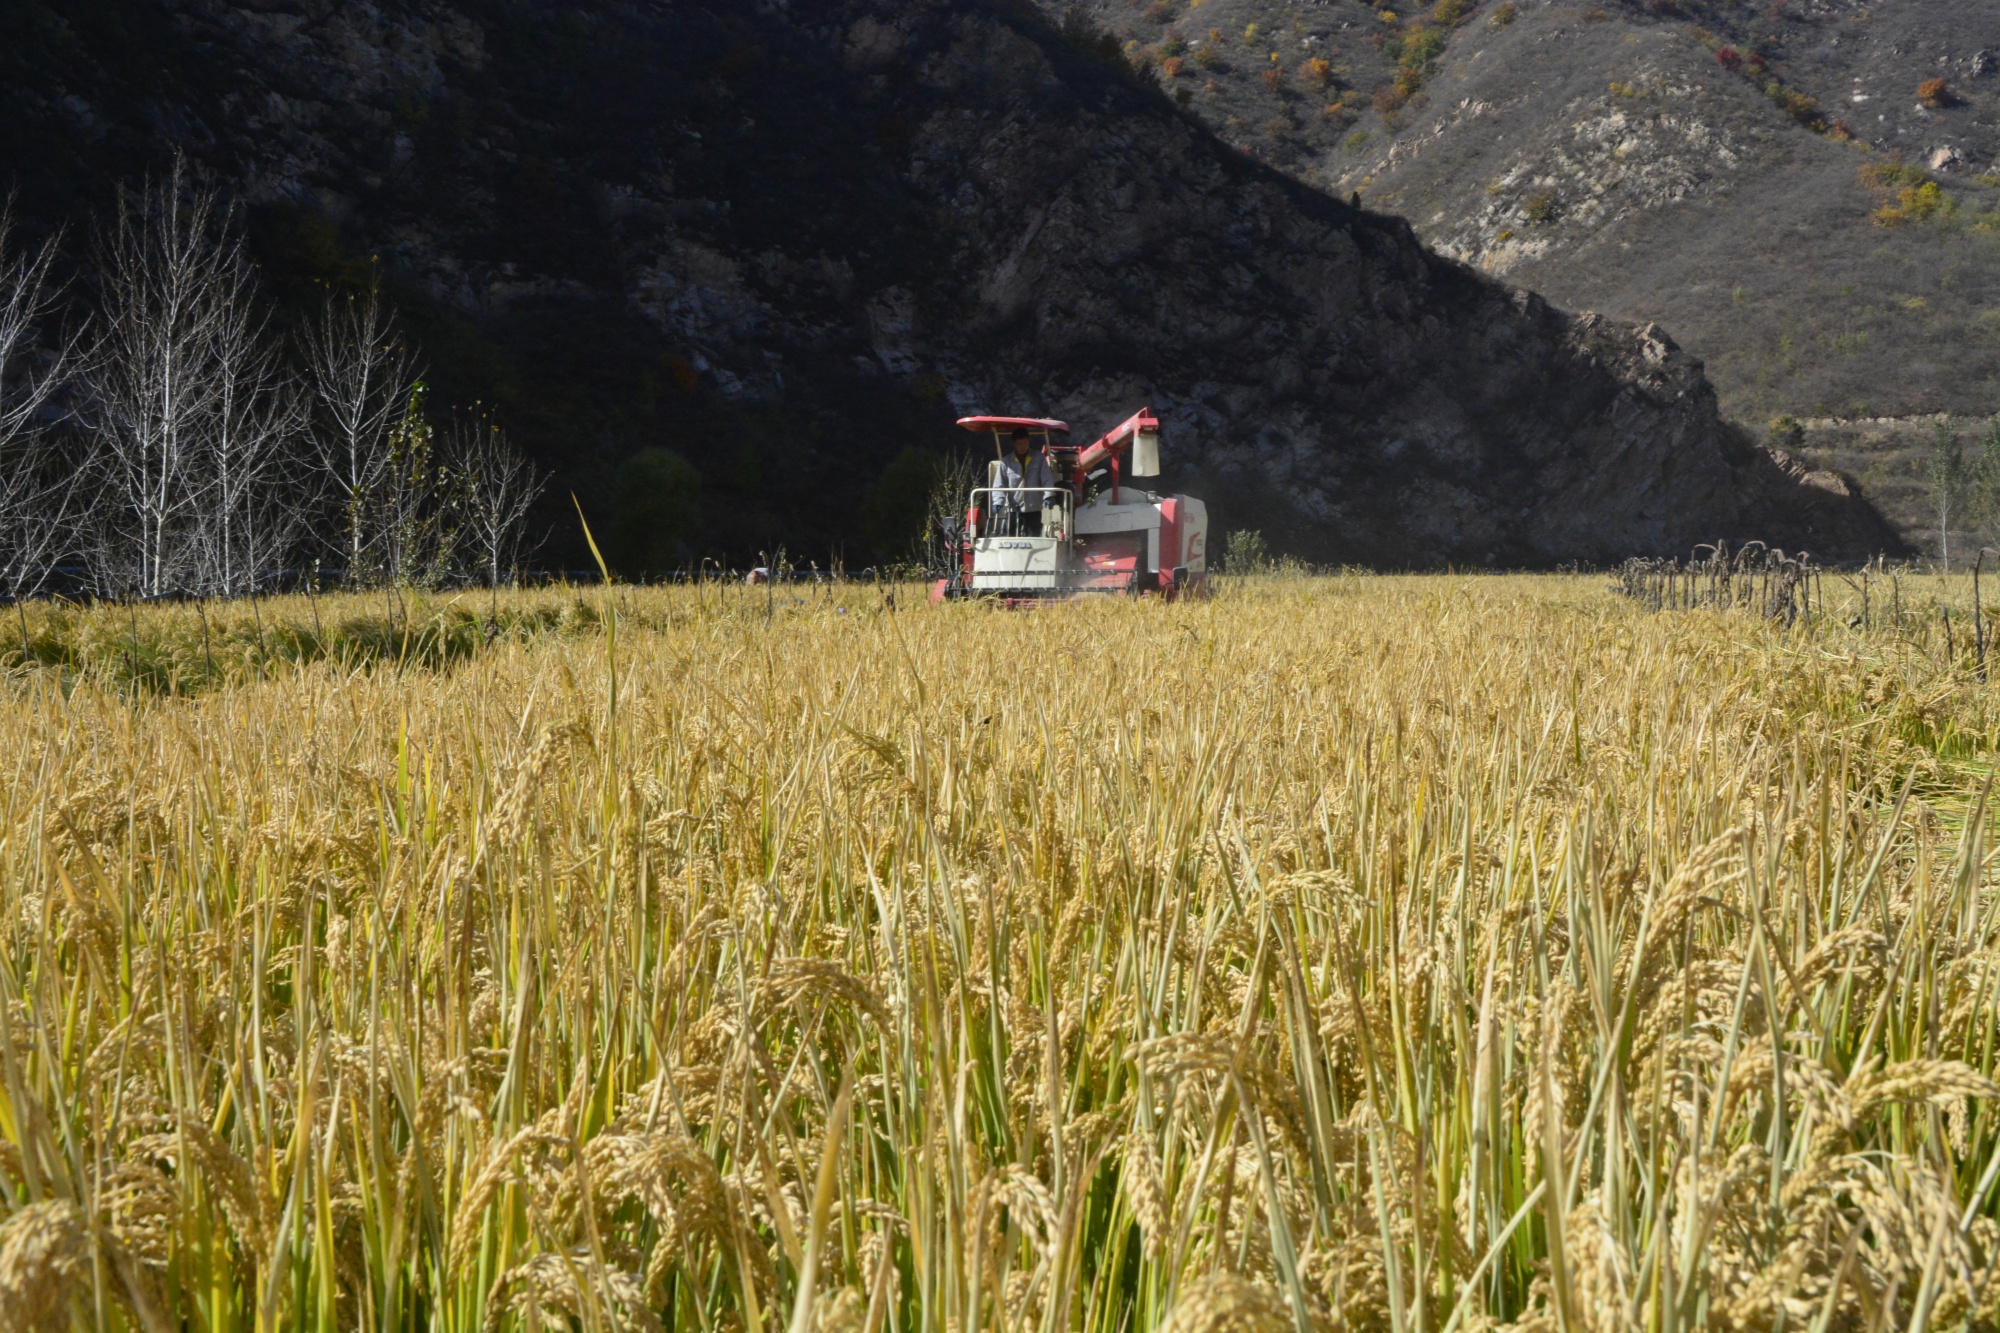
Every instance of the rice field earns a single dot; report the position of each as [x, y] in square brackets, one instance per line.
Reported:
[1400, 953]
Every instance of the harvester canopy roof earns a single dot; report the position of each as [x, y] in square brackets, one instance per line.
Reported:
[1011, 423]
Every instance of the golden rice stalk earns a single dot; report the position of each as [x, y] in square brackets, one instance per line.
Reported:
[495, 1169]
[845, 1311]
[1921, 1080]
[512, 814]
[1601, 1269]
[1146, 1191]
[1027, 1201]
[44, 1255]
[569, 1286]
[1226, 1303]
[138, 1202]
[251, 1212]
[791, 979]
[669, 1175]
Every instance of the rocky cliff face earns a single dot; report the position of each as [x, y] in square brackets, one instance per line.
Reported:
[790, 240]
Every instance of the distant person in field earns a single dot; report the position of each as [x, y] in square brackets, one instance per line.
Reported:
[1022, 472]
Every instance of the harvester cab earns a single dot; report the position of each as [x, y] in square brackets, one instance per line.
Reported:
[1031, 535]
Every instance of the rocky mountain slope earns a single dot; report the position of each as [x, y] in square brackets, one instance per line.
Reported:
[791, 241]
[1774, 182]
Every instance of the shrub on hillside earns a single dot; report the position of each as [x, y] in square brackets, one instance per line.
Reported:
[1172, 67]
[1422, 45]
[1316, 70]
[1388, 99]
[1274, 78]
[1503, 15]
[1078, 30]
[1934, 93]
[1173, 44]
[1728, 57]
[1917, 203]
[1159, 12]
[1907, 194]
[1796, 104]
[1892, 175]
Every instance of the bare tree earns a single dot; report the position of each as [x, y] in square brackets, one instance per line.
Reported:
[253, 510]
[193, 420]
[413, 507]
[496, 486]
[944, 514]
[166, 279]
[360, 377]
[35, 499]
[1945, 468]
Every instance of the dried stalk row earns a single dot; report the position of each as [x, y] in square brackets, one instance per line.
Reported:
[1754, 577]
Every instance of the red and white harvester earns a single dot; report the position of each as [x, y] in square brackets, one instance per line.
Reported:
[1042, 543]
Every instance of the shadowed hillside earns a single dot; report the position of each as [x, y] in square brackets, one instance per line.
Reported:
[790, 244]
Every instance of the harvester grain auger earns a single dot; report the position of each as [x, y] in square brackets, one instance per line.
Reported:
[1029, 538]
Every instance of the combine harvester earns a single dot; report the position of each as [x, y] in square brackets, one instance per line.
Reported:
[1035, 544]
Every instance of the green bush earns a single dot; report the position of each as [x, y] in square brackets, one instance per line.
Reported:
[892, 513]
[657, 516]
[1907, 194]
[1246, 552]
[1421, 47]
[1795, 104]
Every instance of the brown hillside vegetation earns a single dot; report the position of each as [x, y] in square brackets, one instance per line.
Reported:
[1693, 162]
[1433, 953]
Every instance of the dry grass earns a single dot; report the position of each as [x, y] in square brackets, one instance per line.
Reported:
[1390, 953]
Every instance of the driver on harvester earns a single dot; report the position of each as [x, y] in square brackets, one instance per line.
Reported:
[1025, 473]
